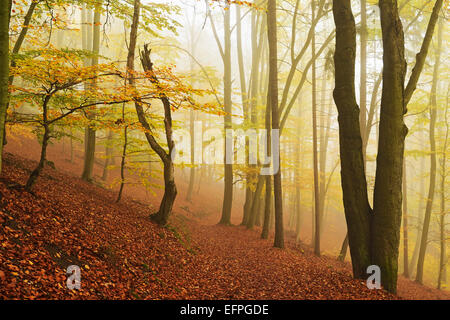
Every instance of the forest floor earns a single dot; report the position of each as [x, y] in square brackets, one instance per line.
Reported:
[122, 255]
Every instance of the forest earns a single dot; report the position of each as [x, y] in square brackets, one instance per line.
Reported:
[224, 150]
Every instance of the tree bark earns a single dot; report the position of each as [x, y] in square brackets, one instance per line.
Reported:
[422, 55]
[388, 182]
[255, 203]
[273, 89]
[363, 74]
[344, 248]
[4, 72]
[4, 104]
[354, 186]
[442, 277]
[317, 209]
[108, 155]
[170, 191]
[45, 138]
[433, 161]
[90, 132]
[405, 223]
[228, 179]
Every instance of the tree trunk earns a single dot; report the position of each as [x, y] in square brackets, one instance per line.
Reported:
[192, 117]
[170, 190]
[249, 106]
[108, 155]
[432, 186]
[267, 208]
[228, 180]
[388, 182]
[37, 171]
[363, 74]
[255, 203]
[45, 138]
[273, 89]
[122, 163]
[442, 277]
[4, 72]
[405, 224]
[170, 193]
[317, 209]
[421, 209]
[89, 142]
[4, 104]
[353, 179]
[344, 247]
[268, 195]
[192, 168]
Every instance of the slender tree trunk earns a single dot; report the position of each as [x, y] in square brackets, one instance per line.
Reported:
[405, 223]
[267, 208]
[245, 104]
[353, 178]
[108, 155]
[71, 145]
[37, 171]
[344, 247]
[45, 138]
[122, 163]
[4, 72]
[317, 209]
[4, 101]
[130, 79]
[323, 149]
[228, 180]
[273, 89]
[192, 118]
[255, 203]
[90, 132]
[421, 209]
[250, 106]
[192, 168]
[300, 156]
[268, 195]
[442, 277]
[432, 186]
[363, 75]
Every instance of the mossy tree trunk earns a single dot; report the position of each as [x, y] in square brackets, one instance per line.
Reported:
[374, 235]
[4, 71]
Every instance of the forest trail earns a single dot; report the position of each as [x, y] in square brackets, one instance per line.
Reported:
[123, 255]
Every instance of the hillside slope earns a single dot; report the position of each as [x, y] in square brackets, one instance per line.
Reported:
[123, 255]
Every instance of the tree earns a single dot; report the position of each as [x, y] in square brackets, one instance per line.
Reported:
[170, 190]
[130, 79]
[225, 53]
[51, 78]
[317, 209]
[442, 278]
[433, 162]
[89, 142]
[374, 233]
[4, 71]
[273, 101]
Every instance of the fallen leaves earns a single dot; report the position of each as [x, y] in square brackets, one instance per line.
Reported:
[122, 255]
